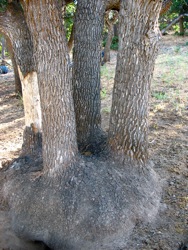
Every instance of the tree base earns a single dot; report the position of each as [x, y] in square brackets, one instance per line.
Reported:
[32, 141]
[93, 205]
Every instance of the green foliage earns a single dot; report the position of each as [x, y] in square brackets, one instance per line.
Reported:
[177, 8]
[159, 95]
[3, 4]
[103, 93]
[69, 16]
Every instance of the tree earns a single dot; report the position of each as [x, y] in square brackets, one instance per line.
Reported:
[18, 85]
[88, 202]
[14, 27]
[110, 20]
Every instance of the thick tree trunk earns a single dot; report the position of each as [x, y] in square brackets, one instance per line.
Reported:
[13, 25]
[86, 72]
[18, 85]
[129, 116]
[44, 19]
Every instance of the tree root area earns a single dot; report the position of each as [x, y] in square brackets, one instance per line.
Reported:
[94, 204]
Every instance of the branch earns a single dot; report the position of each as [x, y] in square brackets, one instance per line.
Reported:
[172, 23]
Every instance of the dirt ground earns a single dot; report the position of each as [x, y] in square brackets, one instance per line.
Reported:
[168, 144]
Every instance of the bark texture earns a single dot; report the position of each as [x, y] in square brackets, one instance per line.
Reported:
[86, 72]
[13, 25]
[128, 129]
[44, 19]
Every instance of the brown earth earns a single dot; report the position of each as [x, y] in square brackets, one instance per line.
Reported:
[168, 146]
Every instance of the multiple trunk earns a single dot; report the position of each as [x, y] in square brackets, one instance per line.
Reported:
[92, 202]
[129, 115]
[86, 72]
[52, 64]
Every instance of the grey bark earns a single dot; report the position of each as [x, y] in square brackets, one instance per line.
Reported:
[13, 25]
[128, 129]
[44, 19]
[86, 72]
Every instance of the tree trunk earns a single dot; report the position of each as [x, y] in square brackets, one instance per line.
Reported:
[18, 85]
[86, 72]
[44, 19]
[128, 131]
[181, 21]
[109, 22]
[116, 29]
[14, 27]
[108, 44]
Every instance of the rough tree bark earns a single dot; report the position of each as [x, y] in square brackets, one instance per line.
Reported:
[128, 129]
[44, 19]
[109, 22]
[13, 25]
[86, 73]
